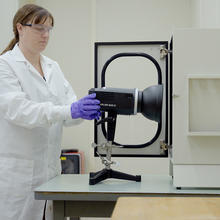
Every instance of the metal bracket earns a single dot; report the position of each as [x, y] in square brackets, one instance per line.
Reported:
[105, 161]
[108, 147]
[164, 146]
[164, 51]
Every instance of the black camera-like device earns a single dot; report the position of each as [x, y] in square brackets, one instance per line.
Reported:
[124, 101]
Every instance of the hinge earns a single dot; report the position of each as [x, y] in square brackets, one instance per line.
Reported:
[164, 51]
[164, 146]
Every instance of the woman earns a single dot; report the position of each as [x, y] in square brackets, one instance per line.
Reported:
[35, 102]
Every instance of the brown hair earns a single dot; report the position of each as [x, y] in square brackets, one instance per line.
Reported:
[29, 12]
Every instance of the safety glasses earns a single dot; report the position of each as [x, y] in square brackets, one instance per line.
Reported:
[39, 28]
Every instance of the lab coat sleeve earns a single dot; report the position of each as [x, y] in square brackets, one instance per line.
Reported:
[16, 108]
[70, 98]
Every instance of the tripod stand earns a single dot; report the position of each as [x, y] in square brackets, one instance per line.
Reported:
[107, 172]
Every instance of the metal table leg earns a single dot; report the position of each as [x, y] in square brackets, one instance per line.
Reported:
[58, 210]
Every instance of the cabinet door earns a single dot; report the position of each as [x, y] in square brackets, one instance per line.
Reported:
[196, 96]
[133, 72]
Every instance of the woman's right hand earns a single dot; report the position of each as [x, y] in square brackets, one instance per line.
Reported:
[87, 108]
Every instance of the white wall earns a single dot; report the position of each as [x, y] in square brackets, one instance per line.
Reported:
[206, 13]
[71, 46]
[7, 11]
[140, 19]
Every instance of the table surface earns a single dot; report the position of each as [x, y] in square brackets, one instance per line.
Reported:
[76, 187]
[167, 208]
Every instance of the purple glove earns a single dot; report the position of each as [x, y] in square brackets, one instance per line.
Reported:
[86, 108]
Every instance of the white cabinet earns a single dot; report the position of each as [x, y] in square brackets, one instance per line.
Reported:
[196, 108]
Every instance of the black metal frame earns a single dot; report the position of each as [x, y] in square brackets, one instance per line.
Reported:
[165, 43]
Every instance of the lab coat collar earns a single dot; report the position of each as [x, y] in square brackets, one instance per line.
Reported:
[19, 56]
[45, 60]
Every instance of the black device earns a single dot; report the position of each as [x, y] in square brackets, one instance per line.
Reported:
[121, 101]
[131, 101]
[70, 161]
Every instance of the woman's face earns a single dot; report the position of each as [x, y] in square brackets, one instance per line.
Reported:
[34, 37]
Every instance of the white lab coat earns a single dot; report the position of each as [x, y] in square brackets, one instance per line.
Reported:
[32, 113]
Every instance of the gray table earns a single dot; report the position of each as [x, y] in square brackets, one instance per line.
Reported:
[73, 196]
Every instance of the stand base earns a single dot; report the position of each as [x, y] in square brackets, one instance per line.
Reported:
[109, 173]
